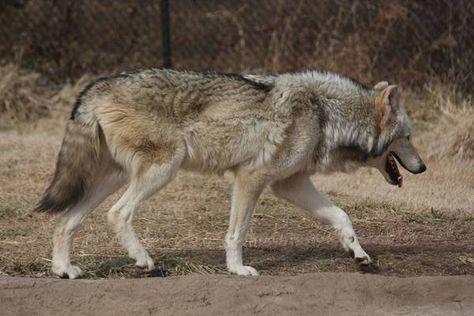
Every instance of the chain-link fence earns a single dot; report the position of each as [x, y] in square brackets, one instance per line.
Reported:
[399, 40]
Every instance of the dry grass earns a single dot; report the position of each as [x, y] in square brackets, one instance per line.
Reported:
[24, 95]
[453, 136]
[425, 228]
[27, 96]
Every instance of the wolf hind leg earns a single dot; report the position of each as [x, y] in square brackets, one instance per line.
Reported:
[143, 184]
[71, 220]
[299, 191]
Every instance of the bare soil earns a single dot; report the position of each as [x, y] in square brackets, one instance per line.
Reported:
[306, 294]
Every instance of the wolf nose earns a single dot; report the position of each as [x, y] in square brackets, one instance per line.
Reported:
[422, 168]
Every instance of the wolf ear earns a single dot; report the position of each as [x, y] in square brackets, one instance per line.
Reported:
[385, 101]
[381, 85]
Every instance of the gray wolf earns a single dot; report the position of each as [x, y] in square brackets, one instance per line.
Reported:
[141, 127]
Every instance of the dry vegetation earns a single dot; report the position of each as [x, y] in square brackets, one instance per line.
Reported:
[23, 95]
[26, 96]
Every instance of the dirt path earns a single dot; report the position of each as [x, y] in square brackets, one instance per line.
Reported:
[309, 294]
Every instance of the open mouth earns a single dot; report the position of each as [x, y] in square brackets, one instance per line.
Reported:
[392, 169]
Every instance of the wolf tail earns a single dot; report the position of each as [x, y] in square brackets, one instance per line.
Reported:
[78, 161]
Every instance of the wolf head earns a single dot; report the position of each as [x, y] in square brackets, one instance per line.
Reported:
[394, 137]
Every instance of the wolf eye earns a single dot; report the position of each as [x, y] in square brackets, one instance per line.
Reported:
[409, 137]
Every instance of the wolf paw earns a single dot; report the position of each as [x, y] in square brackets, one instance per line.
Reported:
[363, 261]
[68, 272]
[243, 270]
[360, 256]
[145, 262]
[368, 267]
[365, 264]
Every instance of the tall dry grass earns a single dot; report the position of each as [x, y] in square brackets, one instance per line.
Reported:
[453, 133]
[26, 96]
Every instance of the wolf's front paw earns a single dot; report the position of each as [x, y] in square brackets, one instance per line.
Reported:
[68, 272]
[359, 255]
[365, 264]
[363, 260]
[145, 262]
[243, 270]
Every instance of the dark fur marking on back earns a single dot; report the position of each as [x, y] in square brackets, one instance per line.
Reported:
[79, 99]
[206, 74]
[81, 95]
[235, 76]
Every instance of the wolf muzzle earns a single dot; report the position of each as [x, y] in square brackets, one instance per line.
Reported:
[406, 154]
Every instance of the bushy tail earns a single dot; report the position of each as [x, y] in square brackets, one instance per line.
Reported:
[78, 162]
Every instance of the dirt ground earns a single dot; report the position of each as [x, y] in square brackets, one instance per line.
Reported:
[420, 237]
[305, 294]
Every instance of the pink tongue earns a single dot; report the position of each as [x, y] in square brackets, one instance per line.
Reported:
[400, 181]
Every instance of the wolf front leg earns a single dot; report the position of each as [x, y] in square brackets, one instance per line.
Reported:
[299, 191]
[247, 188]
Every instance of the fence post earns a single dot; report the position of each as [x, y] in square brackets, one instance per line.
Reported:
[165, 34]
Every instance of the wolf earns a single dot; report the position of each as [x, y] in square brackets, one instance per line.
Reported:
[141, 127]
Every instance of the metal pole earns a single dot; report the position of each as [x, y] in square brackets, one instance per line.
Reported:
[165, 34]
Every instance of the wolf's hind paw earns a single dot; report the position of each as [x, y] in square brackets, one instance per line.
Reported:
[244, 270]
[145, 262]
